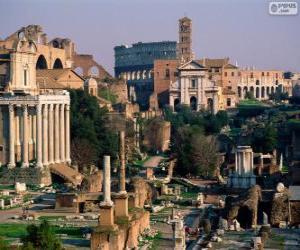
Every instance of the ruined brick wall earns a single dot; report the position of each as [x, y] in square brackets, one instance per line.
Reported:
[165, 72]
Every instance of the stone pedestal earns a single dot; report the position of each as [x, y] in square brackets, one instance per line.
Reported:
[121, 205]
[106, 215]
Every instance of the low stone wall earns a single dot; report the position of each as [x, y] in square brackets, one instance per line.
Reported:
[30, 175]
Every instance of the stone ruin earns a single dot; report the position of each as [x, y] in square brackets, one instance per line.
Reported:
[244, 208]
[243, 176]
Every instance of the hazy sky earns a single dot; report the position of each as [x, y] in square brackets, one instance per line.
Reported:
[240, 29]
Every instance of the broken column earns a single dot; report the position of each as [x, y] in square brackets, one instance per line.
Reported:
[106, 206]
[121, 199]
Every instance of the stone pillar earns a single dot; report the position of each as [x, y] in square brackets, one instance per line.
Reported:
[51, 135]
[68, 158]
[33, 122]
[106, 206]
[39, 136]
[62, 132]
[17, 135]
[122, 163]
[56, 134]
[11, 163]
[106, 182]
[45, 134]
[25, 137]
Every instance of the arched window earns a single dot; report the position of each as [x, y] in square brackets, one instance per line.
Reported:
[57, 64]
[257, 92]
[79, 71]
[262, 92]
[240, 92]
[41, 63]
[176, 104]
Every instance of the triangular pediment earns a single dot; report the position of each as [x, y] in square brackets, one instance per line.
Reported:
[191, 65]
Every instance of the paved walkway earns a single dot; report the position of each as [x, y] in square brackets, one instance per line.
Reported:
[153, 161]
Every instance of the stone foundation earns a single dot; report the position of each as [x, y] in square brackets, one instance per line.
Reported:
[33, 176]
[121, 237]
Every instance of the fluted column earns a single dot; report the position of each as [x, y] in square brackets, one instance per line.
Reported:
[25, 163]
[62, 132]
[51, 135]
[56, 134]
[68, 158]
[45, 134]
[39, 136]
[11, 163]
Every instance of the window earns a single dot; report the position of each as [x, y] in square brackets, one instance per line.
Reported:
[262, 73]
[25, 77]
[268, 74]
[167, 73]
[229, 87]
[232, 73]
[194, 83]
[228, 102]
[251, 75]
[276, 75]
[225, 74]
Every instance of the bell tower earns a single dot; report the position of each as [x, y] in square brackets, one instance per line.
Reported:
[184, 49]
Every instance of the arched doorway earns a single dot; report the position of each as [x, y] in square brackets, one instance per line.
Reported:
[210, 105]
[252, 90]
[57, 64]
[257, 93]
[268, 90]
[240, 92]
[245, 90]
[262, 92]
[41, 63]
[176, 104]
[193, 103]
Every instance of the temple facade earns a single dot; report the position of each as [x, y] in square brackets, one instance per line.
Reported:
[34, 124]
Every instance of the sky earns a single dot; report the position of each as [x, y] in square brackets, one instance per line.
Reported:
[242, 30]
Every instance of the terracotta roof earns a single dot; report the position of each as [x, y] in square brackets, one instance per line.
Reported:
[47, 78]
[213, 63]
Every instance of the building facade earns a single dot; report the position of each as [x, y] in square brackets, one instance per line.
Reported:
[193, 88]
[34, 124]
[135, 65]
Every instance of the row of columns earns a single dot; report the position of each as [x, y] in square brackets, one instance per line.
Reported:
[52, 142]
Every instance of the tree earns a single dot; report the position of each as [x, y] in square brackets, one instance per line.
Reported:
[264, 139]
[41, 237]
[3, 244]
[196, 153]
[249, 95]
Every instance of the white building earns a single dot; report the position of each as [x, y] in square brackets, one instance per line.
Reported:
[193, 88]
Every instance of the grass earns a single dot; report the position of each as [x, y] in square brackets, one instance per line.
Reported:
[14, 230]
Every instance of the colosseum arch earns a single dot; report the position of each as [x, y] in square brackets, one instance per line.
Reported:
[41, 63]
[262, 92]
[257, 92]
[239, 92]
[58, 64]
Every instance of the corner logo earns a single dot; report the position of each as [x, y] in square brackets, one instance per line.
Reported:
[283, 8]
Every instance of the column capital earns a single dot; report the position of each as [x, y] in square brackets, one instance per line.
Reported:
[67, 107]
[51, 107]
[25, 108]
[39, 108]
[11, 107]
[62, 107]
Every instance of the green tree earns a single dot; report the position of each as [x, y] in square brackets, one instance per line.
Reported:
[3, 244]
[264, 139]
[41, 237]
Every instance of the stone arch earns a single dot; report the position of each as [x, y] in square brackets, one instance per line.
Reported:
[144, 75]
[262, 92]
[138, 75]
[252, 90]
[133, 75]
[41, 63]
[79, 71]
[245, 90]
[268, 90]
[58, 64]
[272, 89]
[93, 71]
[239, 92]
[193, 103]
[257, 92]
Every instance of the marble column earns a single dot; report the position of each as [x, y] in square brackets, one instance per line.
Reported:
[62, 132]
[11, 163]
[39, 136]
[122, 163]
[33, 122]
[106, 182]
[56, 134]
[25, 137]
[67, 125]
[45, 134]
[51, 135]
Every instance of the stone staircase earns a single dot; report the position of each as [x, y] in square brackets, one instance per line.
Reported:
[67, 173]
